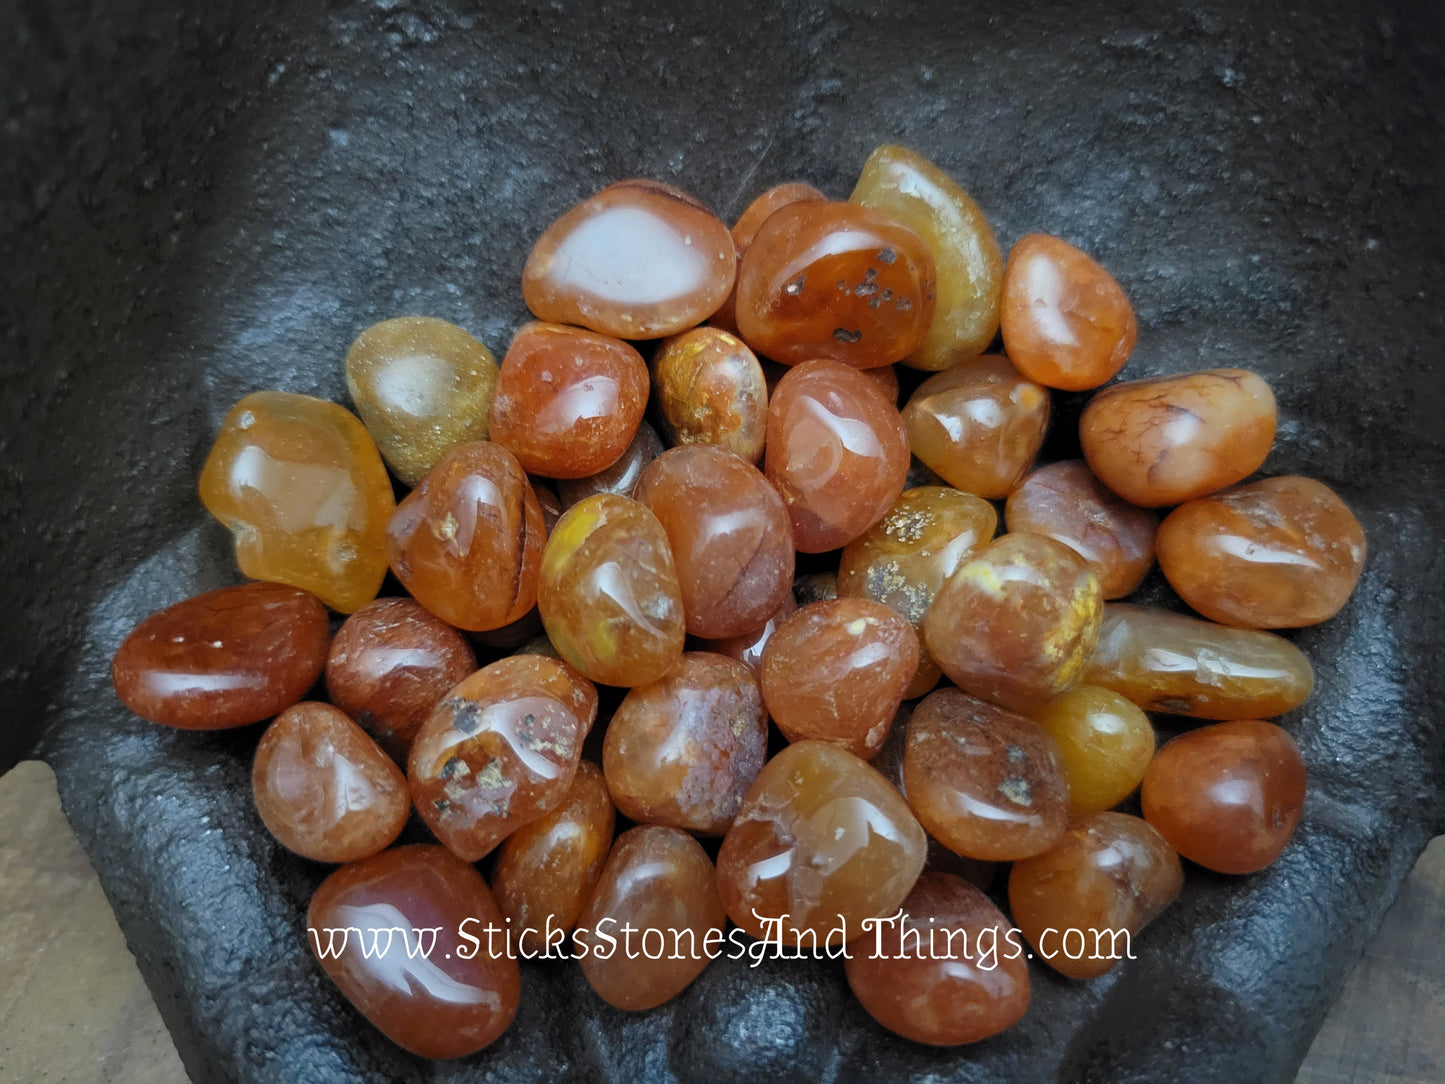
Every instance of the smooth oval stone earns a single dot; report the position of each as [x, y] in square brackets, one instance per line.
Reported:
[1278, 553]
[1015, 622]
[912, 190]
[822, 839]
[639, 260]
[836, 671]
[986, 782]
[947, 971]
[683, 750]
[390, 664]
[1169, 440]
[748, 648]
[1227, 796]
[438, 999]
[730, 537]
[610, 598]
[499, 751]
[835, 280]
[978, 425]
[300, 485]
[324, 789]
[1068, 504]
[422, 386]
[621, 478]
[546, 869]
[1169, 662]
[746, 228]
[225, 658]
[1108, 877]
[1106, 741]
[660, 882]
[1066, 323]
[837, 453]
[710, 390]
[568, 401]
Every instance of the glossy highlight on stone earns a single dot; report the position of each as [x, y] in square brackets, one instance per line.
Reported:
[710, 390]
[1106, 741]
[746, 228]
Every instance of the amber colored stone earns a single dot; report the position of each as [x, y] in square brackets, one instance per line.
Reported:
[324, 789]
[730, 537]
[610, 599]
[984, 781]
[300, 484]
[822, 839]
[836, 671]
[949, 970]
[442, 998]
[1107, 743]
[499, 751]
[683, 750]
[836, 452]
[390, 664]
[621, 478]
[658, 901]
[1277, 553]
[422, 386]
[746, 228]
[1107, 877]
[222, 659]
[908, 187]
[546, 869]
[835, 280]
[1168, 440]
[1169, 662]
[1066, 323]
[467, 542]
[978, 424]
[748, 648]
[1068, 504]
[710, 390]
[568, 401]
[639, 260]
[1227, 796]
[1015, 622]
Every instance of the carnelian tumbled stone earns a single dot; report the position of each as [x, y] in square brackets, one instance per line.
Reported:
[730, 536]
[822, 839]
[621, 478]
[324, 789]
[835, 280]
[639, 260]
[836, 451]
[836, 671]
[499, 751]
[222, 659]
[1106, 741]
[1066, 502]
[1082, 902]
[658, 901]
[441, 998]
[1164, 441]
[683, 750]
[1227, 796]
[986, 783]
[610, 599]
[949, 970]
[1277, 553]
[301, 486]
[710, 390]
[746, 228]
[1066, 323]
[568, 401]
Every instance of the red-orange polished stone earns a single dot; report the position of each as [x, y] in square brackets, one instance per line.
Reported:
[746, 228]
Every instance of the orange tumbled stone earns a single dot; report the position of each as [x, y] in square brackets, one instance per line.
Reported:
[978, 425]
[950, 970]
[836, 451]
[568, 402]
[835, 280]
[1227, 796]
[610, 599]
[621, 478]
[499, 751]
[1106, 741]
[639, 260]
[300, 484]
[1278, 553]
[710, 390]
[746, 228]
[324, 789]
[1168, 440]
